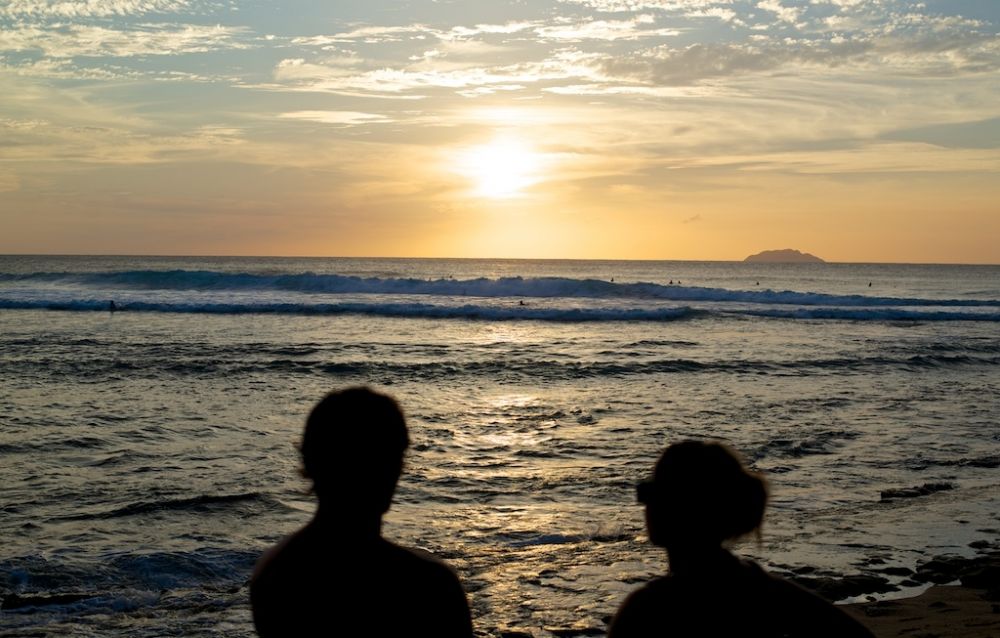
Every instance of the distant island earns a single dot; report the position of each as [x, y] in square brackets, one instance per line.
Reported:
[785, 256]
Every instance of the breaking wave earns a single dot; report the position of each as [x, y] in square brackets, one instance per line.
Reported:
[515, 287]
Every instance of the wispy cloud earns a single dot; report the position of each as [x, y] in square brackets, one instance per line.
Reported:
[89, 8]
[325, 78]
[338, 118]
[607, 30]
[622, 6]
[936, 51]
[73, 40]
[783, 12]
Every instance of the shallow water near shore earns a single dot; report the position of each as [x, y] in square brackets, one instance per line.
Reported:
[148, 455]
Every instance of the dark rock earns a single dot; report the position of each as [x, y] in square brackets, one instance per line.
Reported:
[941, 570]
[834, 589]
[510, 633]
[986, 577]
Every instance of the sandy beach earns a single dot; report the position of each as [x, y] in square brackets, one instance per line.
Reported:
[970, 609]
[942, 611]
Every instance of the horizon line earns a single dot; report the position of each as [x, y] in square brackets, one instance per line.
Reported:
[443, 258]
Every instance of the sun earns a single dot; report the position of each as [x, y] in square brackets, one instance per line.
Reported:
[501, 169]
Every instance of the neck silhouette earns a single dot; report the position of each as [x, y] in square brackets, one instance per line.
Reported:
[694, 559]
[345, 524]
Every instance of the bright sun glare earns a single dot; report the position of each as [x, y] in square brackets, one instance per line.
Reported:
[501, 169]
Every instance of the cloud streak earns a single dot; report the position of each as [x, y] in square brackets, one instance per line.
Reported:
[89, 8]
[73, 40]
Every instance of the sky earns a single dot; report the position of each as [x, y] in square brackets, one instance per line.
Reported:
[856, 130]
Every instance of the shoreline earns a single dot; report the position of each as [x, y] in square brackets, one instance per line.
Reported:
[963, 601]
[943, 611]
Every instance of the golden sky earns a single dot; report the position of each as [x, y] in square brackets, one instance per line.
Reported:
[857, 130]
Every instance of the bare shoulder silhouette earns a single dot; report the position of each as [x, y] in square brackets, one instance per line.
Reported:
[337, 576]
[699, 497]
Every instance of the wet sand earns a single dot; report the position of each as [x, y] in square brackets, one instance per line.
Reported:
[943, 611]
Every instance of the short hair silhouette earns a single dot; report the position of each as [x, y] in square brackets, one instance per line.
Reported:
[700, 496]
[337, 576]
[352, 449]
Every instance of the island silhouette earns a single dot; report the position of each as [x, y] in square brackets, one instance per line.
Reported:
[784, 256]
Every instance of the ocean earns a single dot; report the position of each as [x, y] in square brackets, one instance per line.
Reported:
[148, 455]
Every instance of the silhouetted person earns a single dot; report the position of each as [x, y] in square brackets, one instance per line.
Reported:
[699, 497]
[337, 576]
[111, 306]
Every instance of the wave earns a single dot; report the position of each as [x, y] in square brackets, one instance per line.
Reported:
[35, 586]
[220, 364]
[200, 503]
[503, 312]
[504, 287]
[414, 310]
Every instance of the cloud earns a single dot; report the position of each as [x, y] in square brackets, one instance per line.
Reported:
[608, 30]
[432, 76]
[936, 51]
[785, 14]
[341, 118]
[559, 29]
[887, 157]
[88, 8]
[623, 6]
[73, 40]
[981, 134]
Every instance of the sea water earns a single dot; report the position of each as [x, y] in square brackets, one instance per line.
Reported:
[148, 455]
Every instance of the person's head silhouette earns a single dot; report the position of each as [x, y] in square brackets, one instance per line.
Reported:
[700, 496]
[326, 578]
[352, 450]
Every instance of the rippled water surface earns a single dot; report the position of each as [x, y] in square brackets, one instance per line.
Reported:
[148, 456]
